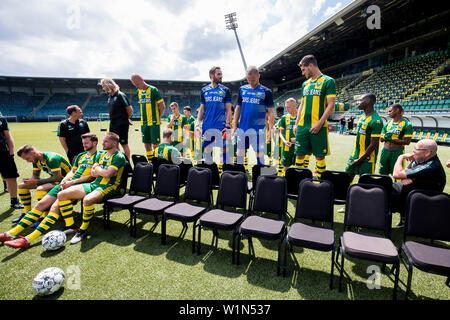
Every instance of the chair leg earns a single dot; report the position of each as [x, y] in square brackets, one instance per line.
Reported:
[285, 258]
[199, 238]
[131, 223]
[397, 274]
[279, 256]
[163, 230]
[332, 269]
[341, 273]
[233, 246]
[193, 237]
[408, 283]
[238, 249]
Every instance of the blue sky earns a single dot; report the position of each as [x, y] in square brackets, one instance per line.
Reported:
[161, 39]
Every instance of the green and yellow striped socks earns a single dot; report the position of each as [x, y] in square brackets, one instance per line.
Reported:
[150, 154]
[88, 214]
[43, 227]
[66, 209]
[25, 198]
[306, 161]
[30, 218]
[321, 166]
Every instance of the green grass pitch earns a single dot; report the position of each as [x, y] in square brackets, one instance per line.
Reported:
[113, 265]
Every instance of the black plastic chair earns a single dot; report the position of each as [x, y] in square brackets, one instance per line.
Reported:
[185, 165]
[315, 203]
[198, 190]
[232, 193]
[341, 183]
[270, 197]
[294, 177]
[141, 183]
[215, 176]
[136, 158]
[156, 161]
[166, 194]
[380, 180]
[233, 167]
[122, 190]
[427, 218]
[367, 207]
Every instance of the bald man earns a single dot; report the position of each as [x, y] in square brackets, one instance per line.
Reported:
[424, 172]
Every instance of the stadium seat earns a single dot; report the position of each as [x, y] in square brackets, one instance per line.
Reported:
[367, 207]
[198, 190]
[340, 181]
[141, 183]
[232, 193]
[166, 193]
[315, 203]
[434, 225]
[270, 197]
[293, 178]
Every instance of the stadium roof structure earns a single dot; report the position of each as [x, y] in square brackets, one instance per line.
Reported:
[343, 44]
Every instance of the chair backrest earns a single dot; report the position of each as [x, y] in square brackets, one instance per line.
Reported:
[257, 170]
[142, 179]
[124, 179]
[378, 179]
[199, 185]
[294, 176]
[168, 181]
[158, 162]
[428, 215]
[136, 158]
[214, 171]
[341, 182]
[315, 200]
[271, 195]
[232, 189]
[185, 165]
[367, 207]
[233, 167]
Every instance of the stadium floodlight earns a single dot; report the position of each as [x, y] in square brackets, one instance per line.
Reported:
[231, 24]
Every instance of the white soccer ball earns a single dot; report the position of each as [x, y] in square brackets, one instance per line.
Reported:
[54, 240]
[48, 281]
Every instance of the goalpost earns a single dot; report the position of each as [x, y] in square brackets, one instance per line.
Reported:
[103, 121]
[57, 117]
[11, 118]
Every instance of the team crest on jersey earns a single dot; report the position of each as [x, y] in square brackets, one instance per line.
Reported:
[259, 94]
[319, 84]
[221, 93]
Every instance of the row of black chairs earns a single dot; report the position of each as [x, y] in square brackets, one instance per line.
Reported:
[367, 207]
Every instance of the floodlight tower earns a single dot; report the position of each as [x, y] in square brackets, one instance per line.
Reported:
[231, 23]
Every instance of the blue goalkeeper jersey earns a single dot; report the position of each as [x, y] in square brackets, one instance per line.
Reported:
[254, 103]
[214, 100]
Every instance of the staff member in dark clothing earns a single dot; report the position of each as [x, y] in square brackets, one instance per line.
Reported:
[424, 172]
[70, 131]
[8, 168]
[350, 124]
[120, 112]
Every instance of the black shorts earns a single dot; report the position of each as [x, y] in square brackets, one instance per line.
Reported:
[122, 132]
[8, 168]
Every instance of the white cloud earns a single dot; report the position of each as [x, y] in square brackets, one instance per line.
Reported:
[159, 39]
[332, 10]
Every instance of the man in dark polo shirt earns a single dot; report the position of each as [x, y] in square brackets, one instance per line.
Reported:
[120, 112]
[424, 172]
[8, 168]
[70, 131]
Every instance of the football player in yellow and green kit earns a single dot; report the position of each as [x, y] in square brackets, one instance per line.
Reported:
[286, 126]
[317, 103]
[180, 127]
[52, 163]
[152, 108]
[396, 134]
[166, 149]
[80, 173]
[191, 138]
[368, 132]
[108, 175]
